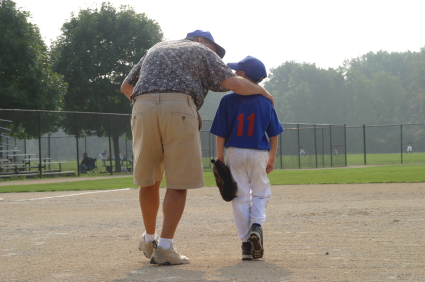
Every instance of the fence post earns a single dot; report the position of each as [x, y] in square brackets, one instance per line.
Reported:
[1, 136]
[39, 144]
[109, 139]
[323, 148]
[315, 144]
[77, 135]
[330, 141]
[209, 150]
[298, 136]
[214, 145]
[364, 143]
[126, 150]
[345, 142]
[280, 149]
[401, 142]
[48, 146]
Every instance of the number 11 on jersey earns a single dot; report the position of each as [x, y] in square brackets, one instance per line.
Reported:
[251, 120]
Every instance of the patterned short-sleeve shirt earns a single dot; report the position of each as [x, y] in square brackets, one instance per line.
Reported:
[180, 66]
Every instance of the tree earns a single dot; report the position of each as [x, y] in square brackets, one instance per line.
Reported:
[26, 77]
[97, 49]
[416, 103]
[210, 106]
[305, 93]
[393, 93]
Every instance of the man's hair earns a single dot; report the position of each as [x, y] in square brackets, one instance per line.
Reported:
[195, 38]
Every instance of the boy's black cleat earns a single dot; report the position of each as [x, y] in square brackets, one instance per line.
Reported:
[246, 251]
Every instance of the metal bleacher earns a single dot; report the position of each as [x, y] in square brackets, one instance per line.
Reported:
[14, 163]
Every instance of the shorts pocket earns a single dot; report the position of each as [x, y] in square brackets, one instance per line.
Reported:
[183, 115]
[137, 109]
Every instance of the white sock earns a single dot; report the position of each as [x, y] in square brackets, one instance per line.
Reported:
[150, 237]
[165, 243]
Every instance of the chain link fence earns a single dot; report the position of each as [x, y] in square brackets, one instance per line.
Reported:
[52, 139]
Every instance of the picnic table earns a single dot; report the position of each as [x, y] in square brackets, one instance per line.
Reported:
[45, 163]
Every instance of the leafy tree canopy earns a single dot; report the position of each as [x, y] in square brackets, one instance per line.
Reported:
[26, 77]
[97, 49]
[376, 88]
[303, 93]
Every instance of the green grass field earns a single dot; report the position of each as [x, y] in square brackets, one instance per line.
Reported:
[291, 162]
[379, 174]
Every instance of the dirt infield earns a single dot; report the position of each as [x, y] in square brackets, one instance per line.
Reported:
[312, 233]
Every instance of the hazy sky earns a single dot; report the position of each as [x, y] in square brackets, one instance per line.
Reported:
[321, 32]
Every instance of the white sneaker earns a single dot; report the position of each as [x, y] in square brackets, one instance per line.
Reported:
[147, 247]
[167, 257]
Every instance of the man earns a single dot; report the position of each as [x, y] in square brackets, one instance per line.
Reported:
[168, 87]
[84, 166]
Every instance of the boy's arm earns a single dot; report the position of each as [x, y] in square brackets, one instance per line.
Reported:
[272, 153]
[220, 148]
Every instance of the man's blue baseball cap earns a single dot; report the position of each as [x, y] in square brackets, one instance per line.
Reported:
[206, 34]
[253, 68]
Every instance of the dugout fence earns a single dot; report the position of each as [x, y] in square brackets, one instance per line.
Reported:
[53, 137]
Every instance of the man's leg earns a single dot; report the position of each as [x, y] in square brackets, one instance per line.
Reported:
[173, 207]
[149, 205]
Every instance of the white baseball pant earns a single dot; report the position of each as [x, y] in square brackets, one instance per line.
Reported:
[248, 169]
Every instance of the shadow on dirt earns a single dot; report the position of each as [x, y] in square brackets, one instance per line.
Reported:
[163, 273]
[257, 270]
[254, 270]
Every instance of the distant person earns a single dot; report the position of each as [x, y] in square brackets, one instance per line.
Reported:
[248, 127]
[336, 151]
[102, 158]
[409, 146]
[302, 152]
[84, 166]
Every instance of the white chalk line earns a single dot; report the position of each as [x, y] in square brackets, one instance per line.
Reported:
[70, 195]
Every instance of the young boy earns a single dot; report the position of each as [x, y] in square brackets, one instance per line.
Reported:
[241, 124]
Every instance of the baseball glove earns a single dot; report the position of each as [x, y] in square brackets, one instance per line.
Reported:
[224, 180]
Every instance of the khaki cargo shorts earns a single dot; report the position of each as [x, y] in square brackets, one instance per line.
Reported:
[166, 136]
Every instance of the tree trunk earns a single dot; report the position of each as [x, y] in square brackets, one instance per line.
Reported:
[115, 140]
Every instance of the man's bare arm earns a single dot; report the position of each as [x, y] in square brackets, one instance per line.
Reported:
[127, 89]
[243, 86]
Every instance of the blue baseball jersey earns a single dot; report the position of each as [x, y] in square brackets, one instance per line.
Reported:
[244, 121]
